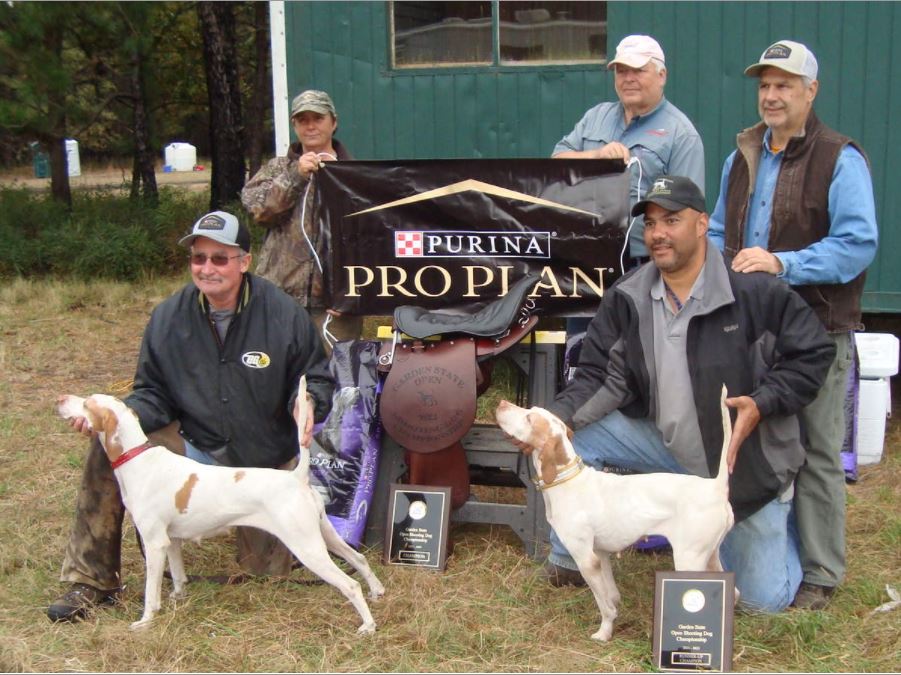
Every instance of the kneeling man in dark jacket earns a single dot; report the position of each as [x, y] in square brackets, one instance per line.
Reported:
[220, 362]
[645, 395]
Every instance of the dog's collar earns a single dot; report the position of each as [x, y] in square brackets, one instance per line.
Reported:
[568, 472]
[131, 454]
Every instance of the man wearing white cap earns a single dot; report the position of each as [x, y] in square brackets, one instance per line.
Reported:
[796, 201]
[221, 359]
[280, 197]
[641, 125]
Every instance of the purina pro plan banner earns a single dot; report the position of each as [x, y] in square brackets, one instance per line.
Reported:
[459, 233]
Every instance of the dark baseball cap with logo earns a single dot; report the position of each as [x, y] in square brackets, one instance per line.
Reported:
[673, 193]
[222, 227]
[787, 55]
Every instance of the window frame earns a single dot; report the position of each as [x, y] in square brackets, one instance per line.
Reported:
[496, 65]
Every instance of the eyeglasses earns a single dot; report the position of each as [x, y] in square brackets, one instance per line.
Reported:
[218, 259]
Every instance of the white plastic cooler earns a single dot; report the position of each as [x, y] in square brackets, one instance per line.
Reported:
[878, 354]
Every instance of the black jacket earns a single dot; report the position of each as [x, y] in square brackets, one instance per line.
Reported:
[753, 334]
[239, 394]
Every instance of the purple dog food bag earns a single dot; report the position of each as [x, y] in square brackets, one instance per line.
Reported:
[852, 396]
[344, 457]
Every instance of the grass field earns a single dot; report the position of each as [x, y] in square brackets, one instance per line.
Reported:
[488, 612]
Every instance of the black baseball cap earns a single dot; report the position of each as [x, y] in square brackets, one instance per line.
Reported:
[673, 193]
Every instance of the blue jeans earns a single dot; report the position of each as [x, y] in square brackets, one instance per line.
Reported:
[762, 550]
[199, 456]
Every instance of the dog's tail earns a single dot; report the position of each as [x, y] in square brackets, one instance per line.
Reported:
[301, 412]
[723, 475]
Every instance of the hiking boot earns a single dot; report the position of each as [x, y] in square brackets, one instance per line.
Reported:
[812, 596]
[561, 576]
[78, 602]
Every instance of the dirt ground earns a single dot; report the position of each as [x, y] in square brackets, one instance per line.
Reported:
[107, 177]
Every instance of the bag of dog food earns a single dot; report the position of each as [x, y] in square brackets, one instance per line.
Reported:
[345, 452]
[852, 395]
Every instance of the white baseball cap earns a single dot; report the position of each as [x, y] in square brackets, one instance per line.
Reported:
[792, 57]
[636, 50]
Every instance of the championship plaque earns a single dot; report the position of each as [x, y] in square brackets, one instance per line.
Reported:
[418, 521]
[693, 613]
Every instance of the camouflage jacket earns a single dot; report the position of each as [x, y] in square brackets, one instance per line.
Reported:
[275, 199]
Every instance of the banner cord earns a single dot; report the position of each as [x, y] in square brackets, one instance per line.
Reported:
[303, 215]
[622, 254]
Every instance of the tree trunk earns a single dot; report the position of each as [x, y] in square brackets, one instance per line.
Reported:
[56, 139]
[143, 175]
[262, 87]
[217, 22]
[59, 171]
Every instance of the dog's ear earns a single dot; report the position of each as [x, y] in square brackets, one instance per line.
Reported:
[553, 454]
[543, 440]
[548, 458]
[104, 420]
[558, 450]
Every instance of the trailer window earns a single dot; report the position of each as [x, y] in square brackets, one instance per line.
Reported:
[497, 32]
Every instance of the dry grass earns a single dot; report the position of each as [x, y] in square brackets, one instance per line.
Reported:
[488, 612]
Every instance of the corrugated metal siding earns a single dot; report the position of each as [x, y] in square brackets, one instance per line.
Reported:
[342, 47]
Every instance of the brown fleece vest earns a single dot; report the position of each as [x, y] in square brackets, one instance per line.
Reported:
[800, 210]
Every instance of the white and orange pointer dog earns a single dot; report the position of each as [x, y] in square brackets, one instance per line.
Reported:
[172, 498]
[596, 513]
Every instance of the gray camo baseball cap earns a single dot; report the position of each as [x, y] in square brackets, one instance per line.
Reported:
[315, 101]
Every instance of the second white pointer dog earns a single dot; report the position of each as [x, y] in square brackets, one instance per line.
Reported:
[597, 513]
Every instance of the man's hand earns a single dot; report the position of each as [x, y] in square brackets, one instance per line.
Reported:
[745, 422]
[522, 445]
[756, 259]
[81, 425]
[614, 151]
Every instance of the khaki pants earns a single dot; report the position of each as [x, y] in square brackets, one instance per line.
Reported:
[820, 488]
[93, 553]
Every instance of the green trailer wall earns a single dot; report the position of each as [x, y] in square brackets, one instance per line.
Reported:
[343, 47]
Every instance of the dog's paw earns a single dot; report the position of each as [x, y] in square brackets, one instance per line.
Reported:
[366, 628]
[604, 634]
[376, 590]
[180, 594]
[141, 625]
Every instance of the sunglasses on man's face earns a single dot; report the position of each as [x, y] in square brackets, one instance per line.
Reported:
[218, 259]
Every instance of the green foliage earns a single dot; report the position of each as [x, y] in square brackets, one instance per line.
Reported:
[32, 72]
[105, 236]
[68, 69]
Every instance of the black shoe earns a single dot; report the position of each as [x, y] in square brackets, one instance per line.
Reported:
[78, 602]
[813, 596]
[561, 576]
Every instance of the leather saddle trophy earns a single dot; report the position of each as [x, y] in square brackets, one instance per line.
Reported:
[428, 401]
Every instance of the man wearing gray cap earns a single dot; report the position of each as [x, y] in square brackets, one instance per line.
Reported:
[280, 197]
[642, 125]
[646, 395]
[221, 359]
[796, 201]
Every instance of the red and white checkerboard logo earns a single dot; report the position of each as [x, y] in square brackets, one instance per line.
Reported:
[408, 244]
